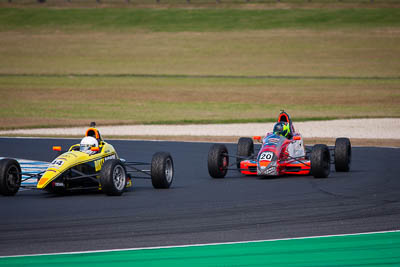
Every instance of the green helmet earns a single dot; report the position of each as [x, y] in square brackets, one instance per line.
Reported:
[282, 128]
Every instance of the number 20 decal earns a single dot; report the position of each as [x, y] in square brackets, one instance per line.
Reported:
[266, 156]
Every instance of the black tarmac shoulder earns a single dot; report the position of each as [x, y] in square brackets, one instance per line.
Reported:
[198, 209]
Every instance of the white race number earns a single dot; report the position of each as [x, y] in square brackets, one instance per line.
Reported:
[57, 163]
[267, 156]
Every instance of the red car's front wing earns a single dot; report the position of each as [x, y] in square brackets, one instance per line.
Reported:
[249, 167]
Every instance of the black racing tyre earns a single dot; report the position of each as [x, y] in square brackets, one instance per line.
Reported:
[113, 177]
[218, 161]
[342, 154]
[320, 161]
[162, 170]
[245, 148]
[10, 177]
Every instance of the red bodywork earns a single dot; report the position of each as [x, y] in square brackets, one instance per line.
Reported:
[273, 158]
[284, 164]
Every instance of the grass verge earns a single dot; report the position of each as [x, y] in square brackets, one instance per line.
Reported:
[203, 20]
[66, 67]
[67, 101]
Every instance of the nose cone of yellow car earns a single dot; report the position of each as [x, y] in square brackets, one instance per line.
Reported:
[59, 165]
[47, 177]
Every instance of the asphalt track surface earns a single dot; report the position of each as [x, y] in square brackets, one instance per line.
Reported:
[198, 209]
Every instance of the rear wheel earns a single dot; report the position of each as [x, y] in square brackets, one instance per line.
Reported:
[218, 161]
[113, 177]
[342, 154]
[10, 177]
[320, 161]
[162, 170]
[245, 149]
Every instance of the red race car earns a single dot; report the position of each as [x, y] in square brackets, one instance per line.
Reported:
[282, 153]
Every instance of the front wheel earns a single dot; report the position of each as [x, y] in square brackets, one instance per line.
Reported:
[113, 177]
[162, 170]
[320, 161]
[10, 177]
[342, 154]
[245, 149]
[218, 161]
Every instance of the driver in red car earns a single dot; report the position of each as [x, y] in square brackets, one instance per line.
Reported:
[295, 149]
[282, 129]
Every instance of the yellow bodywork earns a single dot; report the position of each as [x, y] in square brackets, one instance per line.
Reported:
[73, 158]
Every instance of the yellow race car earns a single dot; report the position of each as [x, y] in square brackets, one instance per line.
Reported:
[88, 166]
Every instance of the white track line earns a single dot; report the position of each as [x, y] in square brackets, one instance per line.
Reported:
[196, 245]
